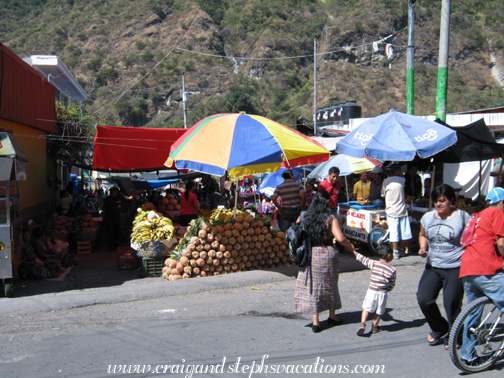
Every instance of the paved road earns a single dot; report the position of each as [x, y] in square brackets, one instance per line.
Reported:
[203, 321]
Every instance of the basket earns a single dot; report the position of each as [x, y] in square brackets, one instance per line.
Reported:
[153, 248]
[153, 266]
[127, 259]
[78, 236]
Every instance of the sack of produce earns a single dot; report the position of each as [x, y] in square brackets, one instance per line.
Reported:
[152, 248]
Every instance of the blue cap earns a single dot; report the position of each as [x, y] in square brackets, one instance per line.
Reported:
[495, 195]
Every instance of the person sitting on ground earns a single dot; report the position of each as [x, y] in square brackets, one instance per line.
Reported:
[383, 277]
[31, 265]
[45, 252]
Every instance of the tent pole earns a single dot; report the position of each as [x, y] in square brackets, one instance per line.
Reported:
[236, 196]
[431, 186]
[479, 186]
[500, 172]
[346, 185]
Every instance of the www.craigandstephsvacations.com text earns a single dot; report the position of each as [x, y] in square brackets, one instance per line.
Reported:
[250, 368]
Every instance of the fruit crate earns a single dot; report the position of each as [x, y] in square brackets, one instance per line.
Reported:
[127, 259]
[153, 266]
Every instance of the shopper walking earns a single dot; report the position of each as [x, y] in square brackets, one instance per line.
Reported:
[439, 239]
[292, 194]
[317, 284]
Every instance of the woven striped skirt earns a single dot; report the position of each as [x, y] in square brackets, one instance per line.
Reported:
[317, 291]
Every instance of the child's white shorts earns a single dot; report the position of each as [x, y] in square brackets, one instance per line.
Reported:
[375, 301]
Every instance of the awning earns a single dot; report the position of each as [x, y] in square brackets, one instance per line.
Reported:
[12, 158]
[132, 149]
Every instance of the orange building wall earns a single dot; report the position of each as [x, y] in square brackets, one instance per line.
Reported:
[36, 197]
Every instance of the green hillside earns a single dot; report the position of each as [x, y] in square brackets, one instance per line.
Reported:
[256, 55]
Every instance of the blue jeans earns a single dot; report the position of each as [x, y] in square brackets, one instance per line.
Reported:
[476, 287]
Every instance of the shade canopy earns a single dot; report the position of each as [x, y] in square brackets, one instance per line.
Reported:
[273, 179]
[475, 142]
[346, 164]
[397, 136]
[243, 144]
[132, 149]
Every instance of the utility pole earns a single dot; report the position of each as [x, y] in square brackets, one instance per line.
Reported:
[410, 73]
[184, 100]
[315, 86]
[444, 47]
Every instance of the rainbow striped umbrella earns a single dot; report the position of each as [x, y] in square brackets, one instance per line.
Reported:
[243, 144]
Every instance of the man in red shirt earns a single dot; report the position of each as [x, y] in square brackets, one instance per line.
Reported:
[332, 186]
[481, 270]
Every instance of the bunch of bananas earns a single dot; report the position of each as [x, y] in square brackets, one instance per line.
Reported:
[204, 213]
[153, 229]
[225, 215]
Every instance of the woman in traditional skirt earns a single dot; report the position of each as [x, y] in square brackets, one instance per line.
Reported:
[317, 284]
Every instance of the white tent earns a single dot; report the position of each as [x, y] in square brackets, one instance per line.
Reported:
[466, 176]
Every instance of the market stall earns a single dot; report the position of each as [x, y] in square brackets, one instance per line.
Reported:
[12, 169]
[392, 136]
[358, 220]
[225, 241]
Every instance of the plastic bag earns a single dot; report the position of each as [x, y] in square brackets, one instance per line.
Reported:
[469, 234]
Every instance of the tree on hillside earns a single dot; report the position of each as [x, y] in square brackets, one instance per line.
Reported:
[73, 140]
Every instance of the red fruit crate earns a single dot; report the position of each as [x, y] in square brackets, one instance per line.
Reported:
[127, 259]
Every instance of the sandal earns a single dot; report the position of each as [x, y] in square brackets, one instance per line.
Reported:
[362, 329]
[376, 329]
[433, 340]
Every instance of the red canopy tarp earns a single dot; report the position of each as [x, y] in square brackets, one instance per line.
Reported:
[132, 149]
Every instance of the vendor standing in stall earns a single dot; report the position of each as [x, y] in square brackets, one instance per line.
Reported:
[413, 184]
[332, 185]
[112, 207]
[376, 184]
[395, 208]
[190, 204]
[362, 188]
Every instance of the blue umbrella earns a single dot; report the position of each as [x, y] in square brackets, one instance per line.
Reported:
[272, 180]
[397, 136]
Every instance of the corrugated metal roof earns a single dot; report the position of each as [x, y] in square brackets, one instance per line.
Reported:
[55, 71]
[26, 97]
